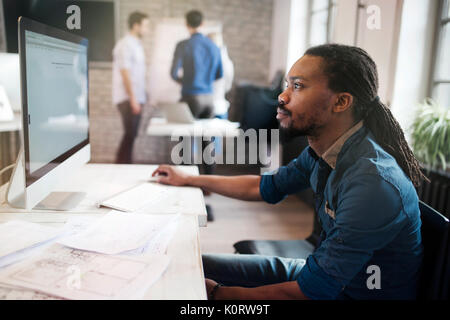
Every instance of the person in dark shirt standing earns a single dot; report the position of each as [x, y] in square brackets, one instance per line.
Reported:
[200, 60]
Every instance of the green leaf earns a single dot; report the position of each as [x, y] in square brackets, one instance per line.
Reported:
[431, 135]
[443, 161]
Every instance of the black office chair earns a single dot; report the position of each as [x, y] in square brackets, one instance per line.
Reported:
[435, 275]
[258, 105]
[298, 249]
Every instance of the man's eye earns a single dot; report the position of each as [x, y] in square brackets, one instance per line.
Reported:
[298, 85]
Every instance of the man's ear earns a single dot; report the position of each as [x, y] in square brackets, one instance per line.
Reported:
[344, 101]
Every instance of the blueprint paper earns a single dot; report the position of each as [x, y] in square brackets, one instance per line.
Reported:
[20, 239]
[23, 254]
[74, 274]
[14, 293]
[21, 233]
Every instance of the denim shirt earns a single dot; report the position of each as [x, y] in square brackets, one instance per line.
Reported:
[370, 216]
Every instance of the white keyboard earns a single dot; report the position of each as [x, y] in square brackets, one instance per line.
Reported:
[141, 196]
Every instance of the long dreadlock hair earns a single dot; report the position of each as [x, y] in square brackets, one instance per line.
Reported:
[350, 69]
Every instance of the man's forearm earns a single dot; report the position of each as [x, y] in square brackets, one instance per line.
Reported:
[238, 187]
[280, 291]
[176, 65]
[127, 83]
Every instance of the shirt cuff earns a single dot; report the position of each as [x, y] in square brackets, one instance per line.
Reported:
[316, 284]
[267, 189]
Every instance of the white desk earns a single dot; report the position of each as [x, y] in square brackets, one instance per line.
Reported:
[101, 181]
[184, 277]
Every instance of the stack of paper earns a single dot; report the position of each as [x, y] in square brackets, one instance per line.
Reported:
[14, 293]
[125, 233]
[74, 274]
[18, 238]
[93, 259]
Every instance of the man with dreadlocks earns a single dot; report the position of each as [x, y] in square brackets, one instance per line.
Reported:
[363, 175]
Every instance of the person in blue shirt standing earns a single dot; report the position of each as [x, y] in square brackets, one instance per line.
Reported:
[363, 174]
[200, 60]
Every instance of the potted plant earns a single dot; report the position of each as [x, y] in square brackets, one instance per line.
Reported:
[431, 145]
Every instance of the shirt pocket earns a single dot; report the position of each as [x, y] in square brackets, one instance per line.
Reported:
[328, 215]
[329, 210]
[325, 219]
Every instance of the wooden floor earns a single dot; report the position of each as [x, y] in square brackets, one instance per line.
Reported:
[237, 220]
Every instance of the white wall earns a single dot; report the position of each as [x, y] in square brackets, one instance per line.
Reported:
[381, 44]
[414, 58]
[344, 30]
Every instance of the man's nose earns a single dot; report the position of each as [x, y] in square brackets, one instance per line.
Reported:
[283, 98]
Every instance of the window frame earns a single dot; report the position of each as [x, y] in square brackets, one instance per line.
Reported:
[330, 8]
[443, 18]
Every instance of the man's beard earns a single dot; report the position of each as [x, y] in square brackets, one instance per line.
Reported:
[289, 133]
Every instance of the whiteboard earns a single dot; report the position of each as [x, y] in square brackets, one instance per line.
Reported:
[161, 87]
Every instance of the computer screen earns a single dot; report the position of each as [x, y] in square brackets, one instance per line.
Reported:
[56, 73]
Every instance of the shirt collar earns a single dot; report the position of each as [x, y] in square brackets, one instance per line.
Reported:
[330, 156]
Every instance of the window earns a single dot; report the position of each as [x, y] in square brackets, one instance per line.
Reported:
[321, 14]
[440, 84]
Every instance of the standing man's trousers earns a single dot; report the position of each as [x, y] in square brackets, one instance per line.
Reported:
[131, 126]
[202, 106]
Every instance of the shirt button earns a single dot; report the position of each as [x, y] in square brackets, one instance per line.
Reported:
[339, 240]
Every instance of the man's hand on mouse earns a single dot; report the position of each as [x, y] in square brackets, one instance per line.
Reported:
[171, 175]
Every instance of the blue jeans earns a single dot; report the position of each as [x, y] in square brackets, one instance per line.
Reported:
[249, 270]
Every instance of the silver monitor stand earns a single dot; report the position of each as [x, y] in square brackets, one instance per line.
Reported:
[19, 196]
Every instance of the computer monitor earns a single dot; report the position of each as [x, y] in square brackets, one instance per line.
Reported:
[54, 90]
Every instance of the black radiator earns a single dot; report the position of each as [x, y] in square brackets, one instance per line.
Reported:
[436, 193]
